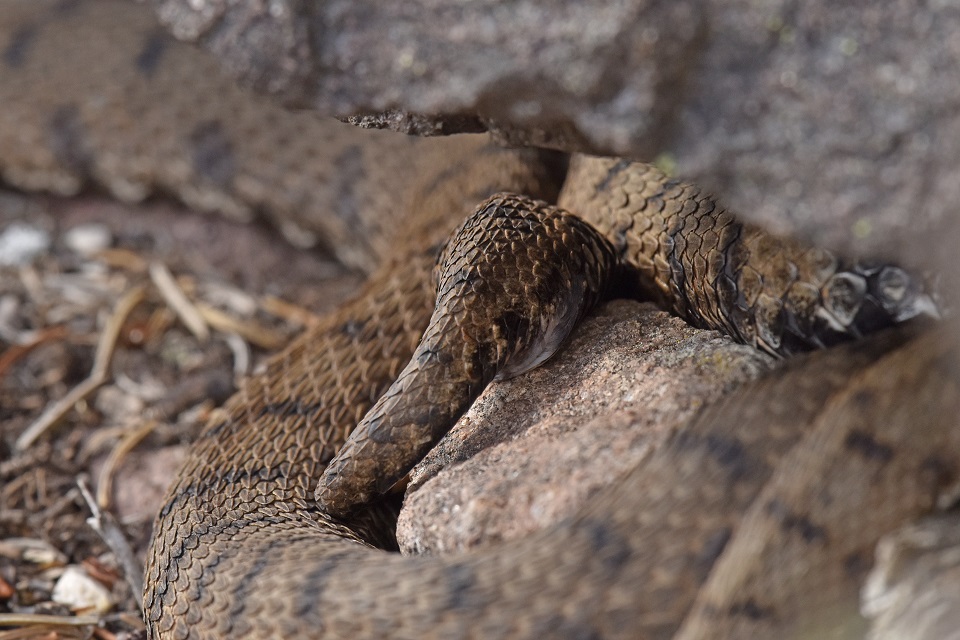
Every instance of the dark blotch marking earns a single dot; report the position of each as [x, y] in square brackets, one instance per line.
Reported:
[459, 579]
[727, 451]
[19, 46]
[857, 564]
[68, 6]
[793, 522]
[557, 626]
[863, 399]
[750, 609]
[938, 471]
[868, 446]
[290, 408]
[68, 140]
[730, 453]
[307, 602]
[353, 328]
[152, 53]
[235, 475]
[218, 428]
[349, 177]
[247, 586]
[606, 544]
[213, 156]
[611, 174]
[710, 551]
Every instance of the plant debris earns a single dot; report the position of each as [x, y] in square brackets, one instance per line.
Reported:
[119, 333]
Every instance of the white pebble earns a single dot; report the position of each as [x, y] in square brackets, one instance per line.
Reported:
[20, 243]
[87, 239]
[81, 593]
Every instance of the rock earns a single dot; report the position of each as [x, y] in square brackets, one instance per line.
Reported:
[20, 243]
[834, 121]
[88, 239]
[142, 481]
[534, 449]
[526, 69]
[913, 590]
[81, 593]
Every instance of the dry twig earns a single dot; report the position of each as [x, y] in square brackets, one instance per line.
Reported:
[174, 296]
[121, 449]
[248, 330]
[98, 375]
[106, 526]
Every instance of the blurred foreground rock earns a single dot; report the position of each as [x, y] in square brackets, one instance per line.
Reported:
[914, 589]
[834, 121]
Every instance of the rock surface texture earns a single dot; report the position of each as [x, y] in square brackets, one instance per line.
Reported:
[834, 121]
[534, 450]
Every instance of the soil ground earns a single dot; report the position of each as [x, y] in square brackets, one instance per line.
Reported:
[123, 440]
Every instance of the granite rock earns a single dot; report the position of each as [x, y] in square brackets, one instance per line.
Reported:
[833, 121]
[534, 449]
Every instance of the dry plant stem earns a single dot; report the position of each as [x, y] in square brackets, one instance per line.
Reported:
[23, 619]
[241, 354]
[46, 632]
[98, 375]
[174, 296]
[109, 531]
[122, 448]
[290, 312]
[249, 330]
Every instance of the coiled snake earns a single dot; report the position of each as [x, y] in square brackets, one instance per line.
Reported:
[785, 480]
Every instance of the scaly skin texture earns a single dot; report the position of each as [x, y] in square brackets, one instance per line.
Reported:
[691, 255]
[822, 458]
[513, 281]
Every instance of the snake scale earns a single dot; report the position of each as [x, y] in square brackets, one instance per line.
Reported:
[755, 520]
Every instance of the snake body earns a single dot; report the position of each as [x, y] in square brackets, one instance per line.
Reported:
[738, 527]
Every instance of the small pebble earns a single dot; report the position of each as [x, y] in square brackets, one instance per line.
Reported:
[88, 239]
[81, 593]
[20, 243]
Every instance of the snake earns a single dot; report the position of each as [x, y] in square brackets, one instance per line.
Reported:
[755, 519]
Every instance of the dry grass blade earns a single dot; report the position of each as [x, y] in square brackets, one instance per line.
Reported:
[292, 313]
[106, 526]
[25, 619]
[122, 448]
[98, 375]
[178, 301]
[241, 354]
[250, 331]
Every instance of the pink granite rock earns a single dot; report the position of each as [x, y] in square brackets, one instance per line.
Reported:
[534, 449]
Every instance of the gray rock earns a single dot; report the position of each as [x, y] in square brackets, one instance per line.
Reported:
[834, 121]
[913, 590]
[534, 449]
[20, 243]
[88, 239]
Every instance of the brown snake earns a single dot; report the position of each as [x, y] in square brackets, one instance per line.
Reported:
[752, 521]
